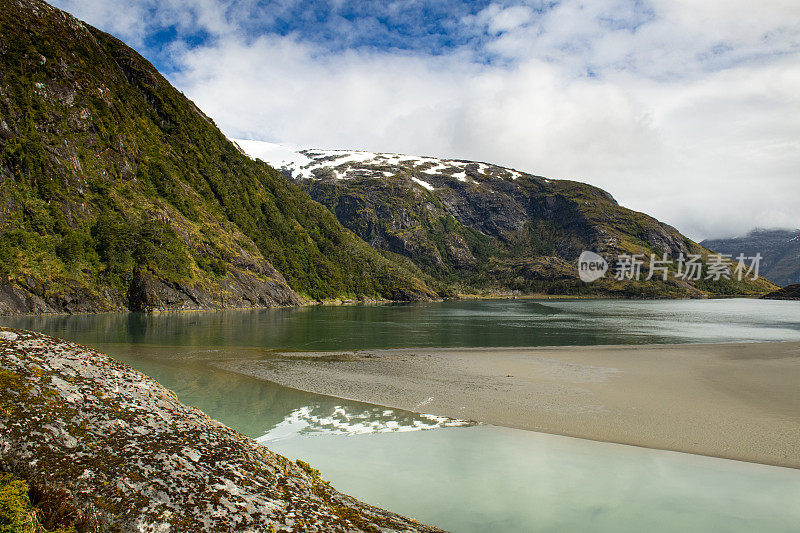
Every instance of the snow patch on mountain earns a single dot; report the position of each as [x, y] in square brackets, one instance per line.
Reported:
[423, 183]
[349, 164]
[274, 154]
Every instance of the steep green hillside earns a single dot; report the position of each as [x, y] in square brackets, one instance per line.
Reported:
[477, 227]
[117, 192]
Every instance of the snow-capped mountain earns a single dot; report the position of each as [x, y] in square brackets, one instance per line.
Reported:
[472, 226]
[348, 164]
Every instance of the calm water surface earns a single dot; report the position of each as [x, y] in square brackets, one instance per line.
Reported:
[457, 323]
[478, 478]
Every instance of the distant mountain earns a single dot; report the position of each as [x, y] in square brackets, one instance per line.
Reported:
[476, 227]
[117, 192]
[780, 249]
[790, 292]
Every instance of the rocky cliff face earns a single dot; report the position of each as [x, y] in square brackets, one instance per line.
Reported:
[119, 452]
[264, 287]
[117, 192]
[779, 248]
[480, 226]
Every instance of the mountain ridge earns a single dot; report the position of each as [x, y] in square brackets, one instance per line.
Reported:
[119, 193]
[484, 228]
[789, 292]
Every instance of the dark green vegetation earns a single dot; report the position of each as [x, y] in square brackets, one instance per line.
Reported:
[311, 471]
[19, 515]
[780, 249]
[117, 192]
[486, 229]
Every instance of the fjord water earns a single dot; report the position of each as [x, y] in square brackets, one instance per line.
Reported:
[477, 478]
[453, 323]
[485, 478]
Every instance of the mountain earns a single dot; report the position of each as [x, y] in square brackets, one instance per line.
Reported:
[117, 192]
[475, 227]
[780, 249]
[790, 292]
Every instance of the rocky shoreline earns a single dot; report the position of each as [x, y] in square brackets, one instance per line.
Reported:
[119, 452]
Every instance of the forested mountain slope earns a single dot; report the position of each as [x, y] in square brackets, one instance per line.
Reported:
[117, 192]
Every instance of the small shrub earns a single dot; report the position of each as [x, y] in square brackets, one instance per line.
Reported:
[17, 513]
[311, 471]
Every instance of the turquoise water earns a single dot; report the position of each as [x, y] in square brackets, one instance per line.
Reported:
[473, 478]
[454, 323]
[481, 479]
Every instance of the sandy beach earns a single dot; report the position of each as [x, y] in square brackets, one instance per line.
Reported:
[738, 401]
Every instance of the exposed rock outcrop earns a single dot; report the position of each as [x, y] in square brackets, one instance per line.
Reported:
[124, 454]
[239, 288]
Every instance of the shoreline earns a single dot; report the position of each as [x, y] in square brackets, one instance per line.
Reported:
[377, 301]
[732, 400]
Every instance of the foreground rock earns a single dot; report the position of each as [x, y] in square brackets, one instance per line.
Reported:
[119, 452]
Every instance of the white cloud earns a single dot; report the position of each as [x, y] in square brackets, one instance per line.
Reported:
[693, 113]
[133, 20]
[499, 19]
[125, 20]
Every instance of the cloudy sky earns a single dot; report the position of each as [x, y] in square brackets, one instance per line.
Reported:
[688, 110]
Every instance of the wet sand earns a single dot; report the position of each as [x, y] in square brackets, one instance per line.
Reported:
[738, 401]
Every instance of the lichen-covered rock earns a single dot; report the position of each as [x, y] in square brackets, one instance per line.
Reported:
[126, 455]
